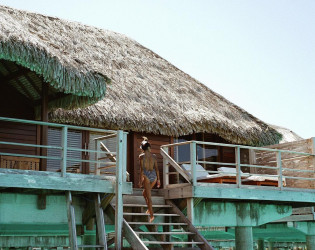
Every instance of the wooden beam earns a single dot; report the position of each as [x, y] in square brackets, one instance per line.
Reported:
[118, 190]
[54, 181]
[175, 165]
[100, 222]
[27, 92]
[44, 130]
[16, 241]
[130, 235]
[36, 88]
[71, 222]
[14, 75]
[89, 211]
[20, 95]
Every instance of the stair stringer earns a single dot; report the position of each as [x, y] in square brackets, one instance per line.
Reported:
[197, 236]
[129, 234]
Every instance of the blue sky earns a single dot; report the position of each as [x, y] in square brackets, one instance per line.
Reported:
[258, 54]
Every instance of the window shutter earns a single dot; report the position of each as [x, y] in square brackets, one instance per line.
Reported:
[74, 140]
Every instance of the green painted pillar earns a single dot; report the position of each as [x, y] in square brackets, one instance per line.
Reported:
[261, 244]
[270, 245]
[244, 238]
[310, 242]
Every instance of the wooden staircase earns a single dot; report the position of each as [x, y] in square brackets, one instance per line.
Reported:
[169, 230]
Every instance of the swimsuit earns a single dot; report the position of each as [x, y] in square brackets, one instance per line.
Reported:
[151, 174]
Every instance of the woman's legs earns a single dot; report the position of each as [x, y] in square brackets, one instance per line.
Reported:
[147, 196]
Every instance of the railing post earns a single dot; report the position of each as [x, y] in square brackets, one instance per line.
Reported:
[124, 165]
[193, 162]
[97, 156]
[64, 145]
[119, 187]
[238, 166]
[279, 169]
[166, 169]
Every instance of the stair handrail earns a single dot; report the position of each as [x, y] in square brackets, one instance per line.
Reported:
[171, 161]
[197, 235]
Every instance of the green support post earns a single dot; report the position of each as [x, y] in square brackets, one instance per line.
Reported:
[244, 238]
[270, 245]
[261, 244]
[310, 242]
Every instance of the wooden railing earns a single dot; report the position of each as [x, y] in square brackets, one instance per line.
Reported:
[266, 166]
[62, 156]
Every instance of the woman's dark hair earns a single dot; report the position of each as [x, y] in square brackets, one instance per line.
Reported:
[145, 143]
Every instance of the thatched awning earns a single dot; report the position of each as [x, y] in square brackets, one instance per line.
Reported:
[65, 54]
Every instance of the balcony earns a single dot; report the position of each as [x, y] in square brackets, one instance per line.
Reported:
[278, 174]
[65, 161]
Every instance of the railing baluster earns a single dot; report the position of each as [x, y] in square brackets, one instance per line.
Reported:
[166, 169]
[238, 166]
[193, 162]
[97, 170]
[119, 187]
[124, 165]
[64, 145]
[279, 170]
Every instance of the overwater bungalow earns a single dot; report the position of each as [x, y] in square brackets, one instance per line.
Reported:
[76, 101]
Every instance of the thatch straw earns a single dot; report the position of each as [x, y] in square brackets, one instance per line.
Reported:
[287, 134]
[147, 94]
[62, 52]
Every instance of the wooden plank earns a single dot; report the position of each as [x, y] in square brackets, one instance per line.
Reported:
[238, 167]
[118, 190]
[166, 168]
[54, 182]
[173, 243]
[193, 156]
[133, 238]
[71, 222]
[64, 145]
[16, 241]
[190, 209]
[129, 234]
[175, 165]
[197, 237]
[255, 193]
[100, 222]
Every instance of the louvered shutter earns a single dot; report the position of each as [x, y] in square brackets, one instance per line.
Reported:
[74, 141]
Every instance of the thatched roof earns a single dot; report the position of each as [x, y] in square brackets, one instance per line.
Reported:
[65, 54]
[147, 93]
[287, 134]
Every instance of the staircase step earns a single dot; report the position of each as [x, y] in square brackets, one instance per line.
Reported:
[143, 214]
[91, 246]
[158, 223]
[131, 199]
[154, 192]
[173, 242]
[164, 233]
[145, 205]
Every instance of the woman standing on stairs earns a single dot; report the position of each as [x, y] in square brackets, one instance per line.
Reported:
[149, 174]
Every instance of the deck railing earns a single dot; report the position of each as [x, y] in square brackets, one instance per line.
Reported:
[13, 150]
[246, 165]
